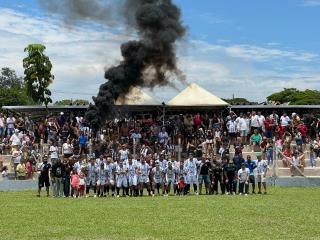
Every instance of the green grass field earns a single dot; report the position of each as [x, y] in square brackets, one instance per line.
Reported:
[285, 213]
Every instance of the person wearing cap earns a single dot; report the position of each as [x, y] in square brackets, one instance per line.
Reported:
[44, 180]
[262, 168]
[191, 165]
[243, 178]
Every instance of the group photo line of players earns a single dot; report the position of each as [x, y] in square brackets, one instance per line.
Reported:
[104, 177]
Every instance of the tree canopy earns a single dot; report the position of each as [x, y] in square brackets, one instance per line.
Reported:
[12, 89]
[294, 96]
[66, 102]
[38, 75]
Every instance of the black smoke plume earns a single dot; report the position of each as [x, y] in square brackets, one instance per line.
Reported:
[147, 62]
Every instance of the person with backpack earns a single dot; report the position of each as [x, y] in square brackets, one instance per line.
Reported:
[44, 180]
[57, 174]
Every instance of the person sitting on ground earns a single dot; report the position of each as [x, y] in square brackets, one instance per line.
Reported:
[255, 139]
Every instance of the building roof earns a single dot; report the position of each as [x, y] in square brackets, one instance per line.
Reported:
[137, 97]
[194, 95]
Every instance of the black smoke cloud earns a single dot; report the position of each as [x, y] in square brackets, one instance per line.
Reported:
[147, 62]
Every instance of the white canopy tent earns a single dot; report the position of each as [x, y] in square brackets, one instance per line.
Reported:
[136, 97]
[196, 96]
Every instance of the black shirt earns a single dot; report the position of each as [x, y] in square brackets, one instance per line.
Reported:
[230, 169]
[204, 168]
[44, 170]
[58, 170]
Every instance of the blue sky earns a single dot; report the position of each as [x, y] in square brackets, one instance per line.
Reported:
[248, 48]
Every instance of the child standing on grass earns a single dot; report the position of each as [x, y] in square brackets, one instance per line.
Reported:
[181, 186]
[82, 184]
[75, 183]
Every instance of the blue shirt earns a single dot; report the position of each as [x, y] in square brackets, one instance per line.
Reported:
[250, 165]
[82, 140]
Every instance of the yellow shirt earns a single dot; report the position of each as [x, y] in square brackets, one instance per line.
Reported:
[21, 170]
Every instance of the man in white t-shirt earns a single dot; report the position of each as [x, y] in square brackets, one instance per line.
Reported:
[16, 138]
[262, 168]
[284, 120]
[11, 121]
[53, 150]
[242, 127]
[243, 177]
[254, 123]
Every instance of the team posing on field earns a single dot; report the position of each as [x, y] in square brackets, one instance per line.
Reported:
[106, 177]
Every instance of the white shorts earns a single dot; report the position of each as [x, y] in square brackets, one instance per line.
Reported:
[91, 182]
[143, 179]
[110, 181]
[133, 180]
[122, 181]
[261, 179]
[101, 182]
[170, 181]
[192, 179]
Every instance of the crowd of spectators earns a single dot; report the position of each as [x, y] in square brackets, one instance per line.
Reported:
[184, 151]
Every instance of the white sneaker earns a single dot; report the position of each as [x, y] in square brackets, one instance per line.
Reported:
[240, 194]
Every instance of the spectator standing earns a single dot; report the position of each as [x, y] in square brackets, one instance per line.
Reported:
[83, 143]
[11, 121]
[243, 177]
[262, 168]
[53, 151]
[230, 171]
[44, 180]
[205, 168]
[57, 173]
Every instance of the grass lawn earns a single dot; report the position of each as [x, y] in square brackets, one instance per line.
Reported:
[285, 213]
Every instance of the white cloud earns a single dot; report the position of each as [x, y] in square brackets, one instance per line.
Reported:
[311, 3]
[80, 55]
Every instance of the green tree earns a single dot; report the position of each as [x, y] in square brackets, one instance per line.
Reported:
[9, 79]
[238, 101]
[66, 102]
[294, 96]
[12, 89]
[38, 75]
